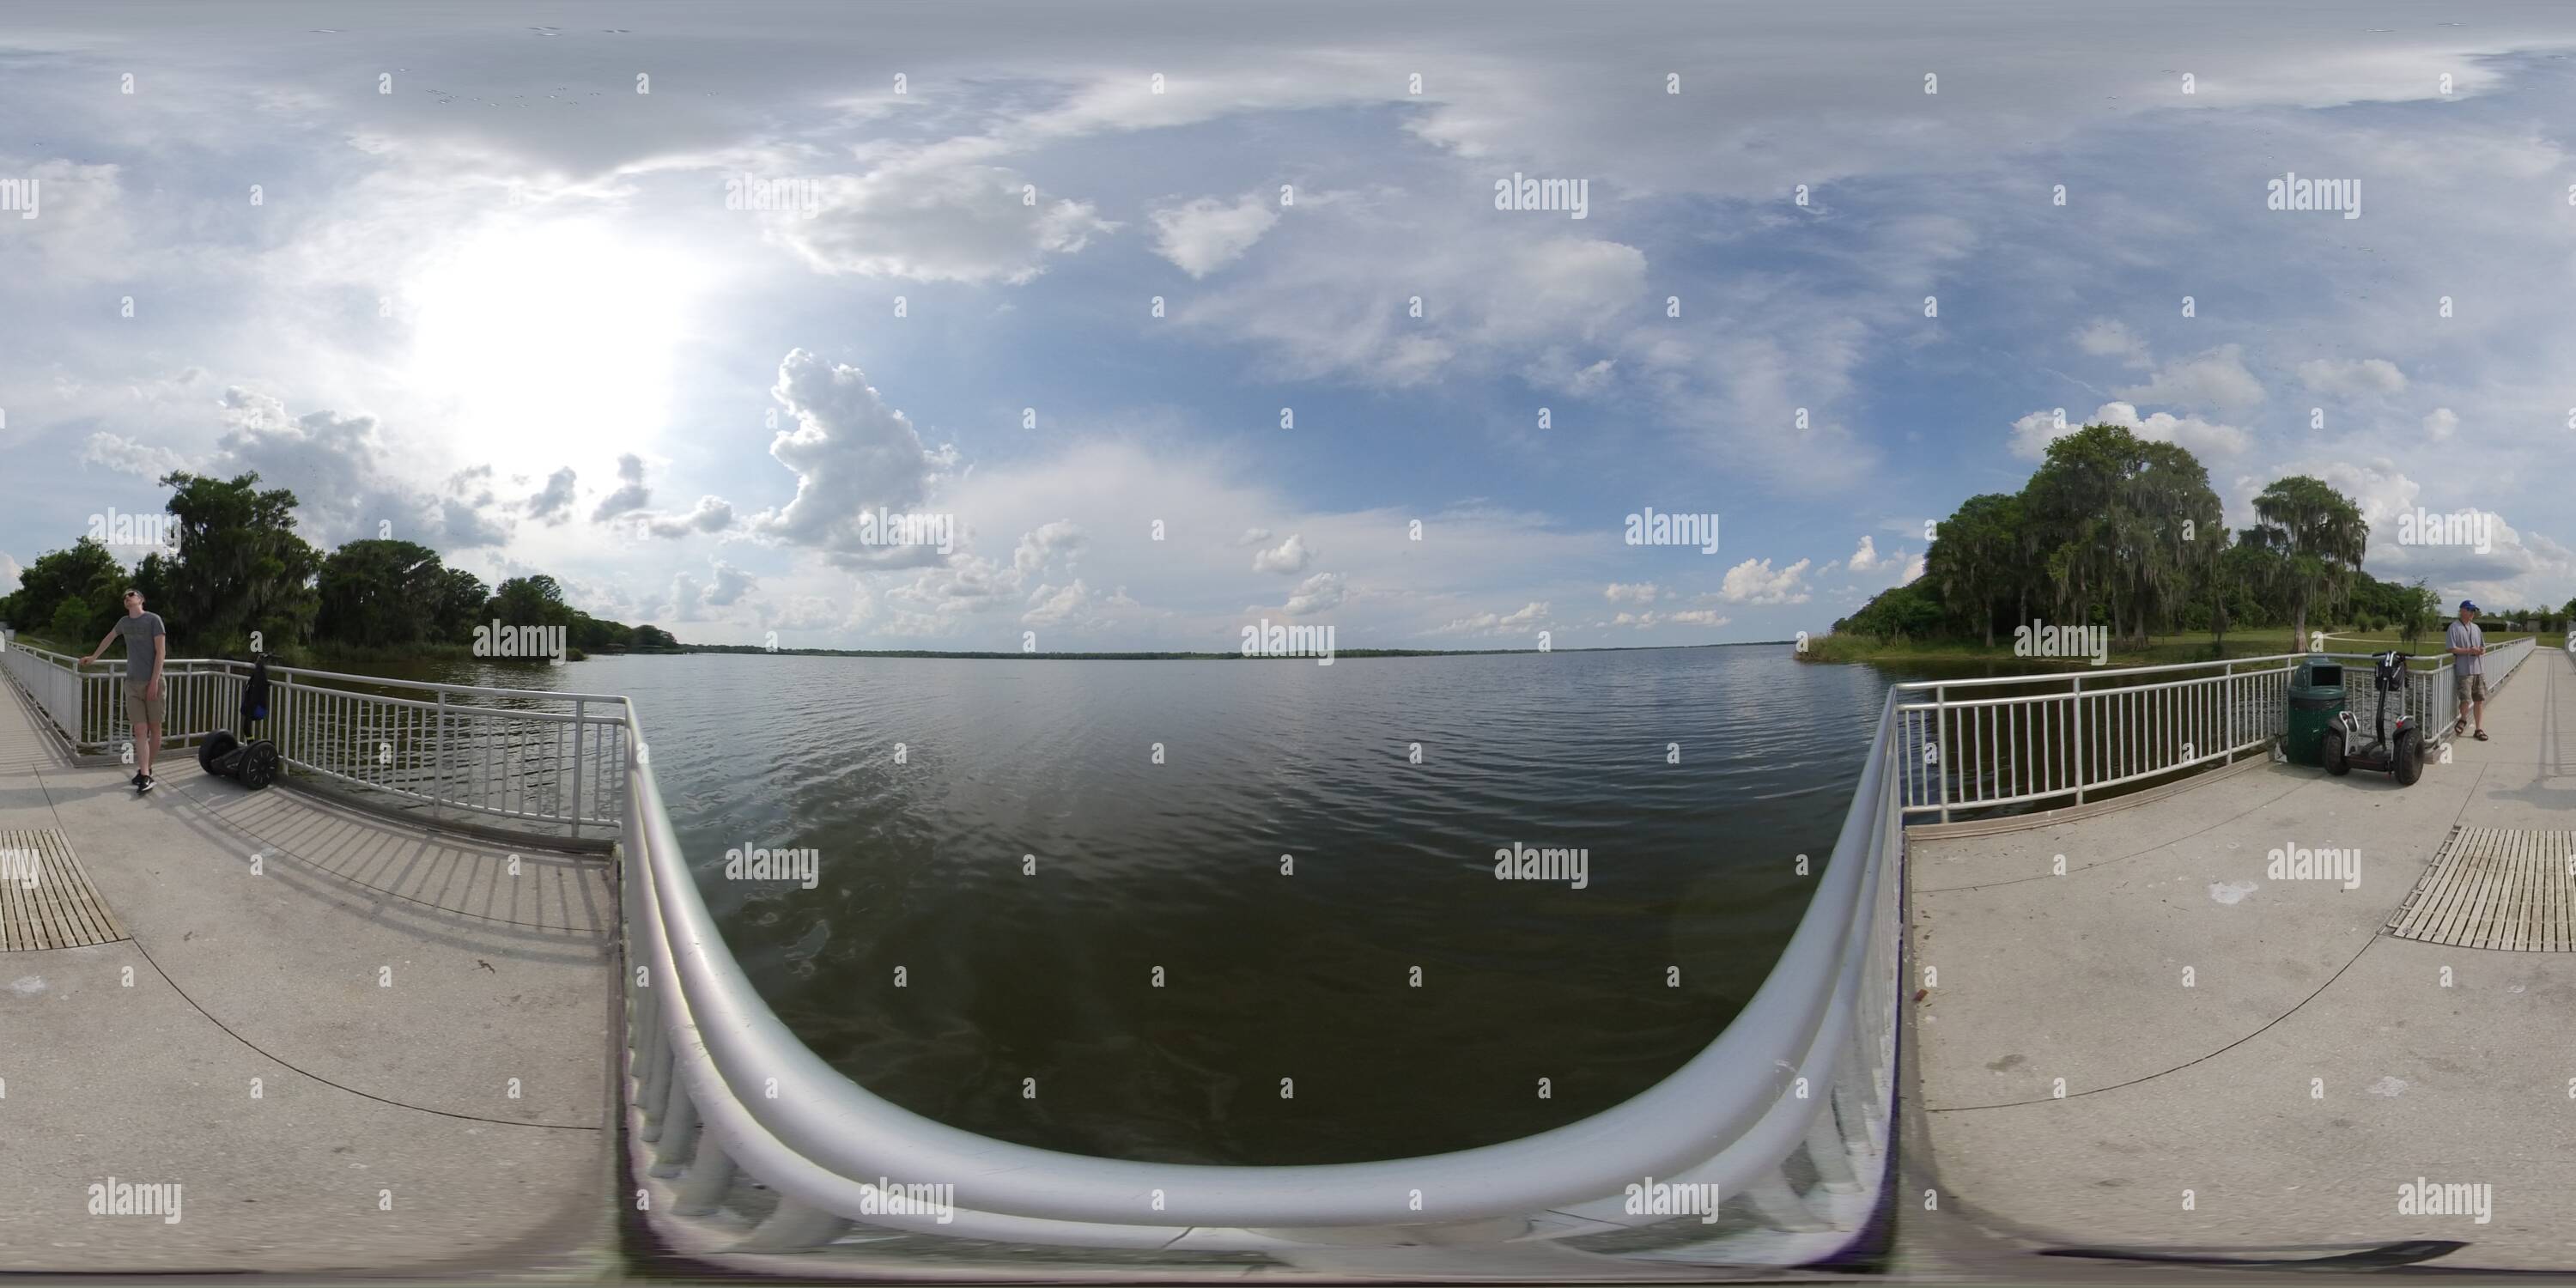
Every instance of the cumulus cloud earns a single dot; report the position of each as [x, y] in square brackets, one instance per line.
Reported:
[729, 585]
[1059, 606]
[2215, 379]
[631, 494]
[125, 456]
[1528, 618]
[1650, 619]
[2107, 338]
[710, 514]
[1205, 234]
[2351, 379]
[346, 482]
[1755, 582]
[11, 572]
[1041, 545]
[1315, 594]
[1866, 557]
[1289, 558]
[1640, 592]
[850, 452]
[2442, 423]
[552, 505]
[926, 218]
[2032, 434]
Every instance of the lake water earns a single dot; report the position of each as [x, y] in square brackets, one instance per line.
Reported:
[1174, 870]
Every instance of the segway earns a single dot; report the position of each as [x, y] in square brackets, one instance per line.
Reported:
[253, 764]
[2399, 752]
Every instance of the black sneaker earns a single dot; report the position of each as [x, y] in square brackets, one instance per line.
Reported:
[143, 782]
[137, 781]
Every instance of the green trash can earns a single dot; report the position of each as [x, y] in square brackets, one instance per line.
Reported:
[2316, 703]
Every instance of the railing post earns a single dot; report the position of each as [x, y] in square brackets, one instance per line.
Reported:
[579, 706]
[1940, 749]
[2079, 738]
[438, 749]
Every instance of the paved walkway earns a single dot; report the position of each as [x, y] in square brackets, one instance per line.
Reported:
[427, 1034]
[2312, 1065]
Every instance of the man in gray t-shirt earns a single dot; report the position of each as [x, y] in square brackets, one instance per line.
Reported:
[147, 646]
[2468, 647]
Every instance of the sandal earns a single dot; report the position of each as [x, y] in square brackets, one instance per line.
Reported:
[2482, 735]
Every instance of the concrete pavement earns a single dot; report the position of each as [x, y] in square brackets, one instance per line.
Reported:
[2177, 1046]
[353, 1045]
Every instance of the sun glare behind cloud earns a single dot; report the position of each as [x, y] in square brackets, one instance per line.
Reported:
[550, 342]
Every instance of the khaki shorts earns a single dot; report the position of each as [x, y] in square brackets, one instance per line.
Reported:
[143, 710]
[2471, 688]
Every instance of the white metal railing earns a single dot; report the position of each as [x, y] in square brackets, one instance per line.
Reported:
[526, 761]
[2014, 740]
[747, 1142]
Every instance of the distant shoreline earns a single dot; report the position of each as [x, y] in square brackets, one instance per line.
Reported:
[1166, 656]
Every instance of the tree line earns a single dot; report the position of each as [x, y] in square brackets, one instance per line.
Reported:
[240, 568]
[2117, 531]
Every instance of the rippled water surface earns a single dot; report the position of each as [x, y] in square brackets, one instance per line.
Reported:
[1176, 867]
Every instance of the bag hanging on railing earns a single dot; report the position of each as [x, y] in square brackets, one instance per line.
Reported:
[254, 706]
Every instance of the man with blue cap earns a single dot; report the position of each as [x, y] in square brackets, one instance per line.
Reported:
[2468, 669]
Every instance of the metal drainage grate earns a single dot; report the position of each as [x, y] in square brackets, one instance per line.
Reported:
[2490, 887]
[46, 901]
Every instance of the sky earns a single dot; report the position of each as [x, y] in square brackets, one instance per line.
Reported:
[1142, 323]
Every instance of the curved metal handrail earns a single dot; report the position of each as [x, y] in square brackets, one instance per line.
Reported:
[1764, 1078]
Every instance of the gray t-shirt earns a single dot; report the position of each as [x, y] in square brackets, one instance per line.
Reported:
[139, 630]
[2467, 635]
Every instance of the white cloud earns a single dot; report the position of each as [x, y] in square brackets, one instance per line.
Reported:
[553, 504]
[2351, 379]
[11, 571]
[2107, 338]
[1527, 618]
[1866, 557]
[2033, 433]
[730, 585]
[1290, 558]
[850, 453]
[927, 219]
[2442, 423]
[1205, 234]
[1315, 594]
[631, 494]
[2216, 379]
[346, 481]
[125, 456]
[1641, 592]
[1754, 582]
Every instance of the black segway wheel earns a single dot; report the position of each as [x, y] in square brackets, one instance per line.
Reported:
[259, 765]
[2333, 754]
[216, 746]
[2410, 757]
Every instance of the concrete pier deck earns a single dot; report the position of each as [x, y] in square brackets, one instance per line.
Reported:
[2258, 1043]
[354, 1045]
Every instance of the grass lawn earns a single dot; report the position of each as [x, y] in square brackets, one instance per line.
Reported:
[2159, 650]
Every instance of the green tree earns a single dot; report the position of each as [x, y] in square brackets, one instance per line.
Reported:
[2126, 526]
[460, 597]
[530, 601]
[1978, 560]
[2315, 536]
[240, 568]
[379, 594]
[72, 595]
